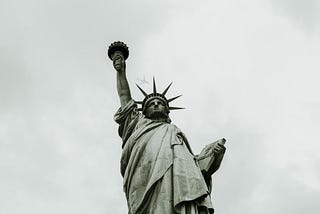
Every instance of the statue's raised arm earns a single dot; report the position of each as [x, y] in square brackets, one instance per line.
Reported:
[118, 52]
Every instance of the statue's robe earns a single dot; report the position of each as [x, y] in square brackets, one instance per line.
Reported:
[160, 173]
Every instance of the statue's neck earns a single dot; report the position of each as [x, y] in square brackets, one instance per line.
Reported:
[160, 119]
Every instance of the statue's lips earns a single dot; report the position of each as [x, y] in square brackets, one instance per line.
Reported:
[157, 110]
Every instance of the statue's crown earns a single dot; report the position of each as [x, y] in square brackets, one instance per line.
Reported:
[118, 46]
[155, 94]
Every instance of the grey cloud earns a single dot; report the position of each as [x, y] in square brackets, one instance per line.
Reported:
[288, 195]
[303, 13]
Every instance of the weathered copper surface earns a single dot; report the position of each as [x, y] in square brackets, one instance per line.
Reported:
[161, 174]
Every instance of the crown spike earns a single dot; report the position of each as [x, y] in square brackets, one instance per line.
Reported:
[143, 92]
[175, 108]
[172, 99]
[165, 91]
[154, 86]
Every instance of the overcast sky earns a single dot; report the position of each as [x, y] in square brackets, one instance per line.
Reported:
[248, 71]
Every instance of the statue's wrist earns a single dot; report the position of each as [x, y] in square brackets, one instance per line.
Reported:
[122, 71]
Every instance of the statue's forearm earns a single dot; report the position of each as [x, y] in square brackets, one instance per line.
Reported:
[123, 88]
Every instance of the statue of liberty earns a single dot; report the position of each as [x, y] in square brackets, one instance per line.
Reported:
[161, 175]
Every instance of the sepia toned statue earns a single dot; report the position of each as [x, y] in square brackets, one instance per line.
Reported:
[161, 175]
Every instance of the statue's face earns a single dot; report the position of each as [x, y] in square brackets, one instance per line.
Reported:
[156, 109]
[118, 60]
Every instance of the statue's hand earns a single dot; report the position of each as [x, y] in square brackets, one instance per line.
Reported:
[119, 63]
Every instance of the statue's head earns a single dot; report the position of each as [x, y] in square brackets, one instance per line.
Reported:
[156, 105]
[156, 108]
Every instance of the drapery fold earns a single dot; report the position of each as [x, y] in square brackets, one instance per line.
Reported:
[160, 174]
